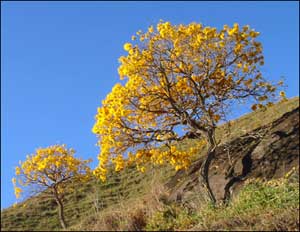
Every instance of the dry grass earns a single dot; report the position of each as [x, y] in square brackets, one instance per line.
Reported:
[131, 214]
[130, 199]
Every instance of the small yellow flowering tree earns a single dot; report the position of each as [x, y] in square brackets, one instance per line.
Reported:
[177, 82]
[51, 168]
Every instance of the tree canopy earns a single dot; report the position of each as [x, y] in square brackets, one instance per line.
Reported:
[178, 81]
[51, 168]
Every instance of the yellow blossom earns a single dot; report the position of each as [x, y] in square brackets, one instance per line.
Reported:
[127, 46]
[165, 80]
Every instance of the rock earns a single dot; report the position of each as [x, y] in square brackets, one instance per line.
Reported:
[267, 152]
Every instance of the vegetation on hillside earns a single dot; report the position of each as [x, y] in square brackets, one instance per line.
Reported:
[179, 82]
[49, 170]
[133, 200]
[258, 206]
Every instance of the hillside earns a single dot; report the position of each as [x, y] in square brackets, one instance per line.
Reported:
[262, 144]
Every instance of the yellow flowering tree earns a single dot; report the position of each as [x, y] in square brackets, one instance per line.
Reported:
[177, 82]
[51, 168]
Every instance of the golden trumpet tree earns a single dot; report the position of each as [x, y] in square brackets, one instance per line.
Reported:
[51, 168]
[178, 81]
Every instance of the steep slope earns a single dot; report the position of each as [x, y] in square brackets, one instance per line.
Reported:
[267, 152]
[259, 144]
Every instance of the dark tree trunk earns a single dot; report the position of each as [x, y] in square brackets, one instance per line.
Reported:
[60, 209]
[204, 170]
[61, 213]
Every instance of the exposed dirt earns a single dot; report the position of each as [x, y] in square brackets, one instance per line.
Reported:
[267, 152]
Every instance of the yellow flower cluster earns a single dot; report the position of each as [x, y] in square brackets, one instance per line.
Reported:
[119, 163]
[18, 191]
[49, 166]
[273, 182]
[172, 69]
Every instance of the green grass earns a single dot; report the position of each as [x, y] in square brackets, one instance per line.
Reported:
[258, 206]
[258, 200]
[38, 214]
[96, 202]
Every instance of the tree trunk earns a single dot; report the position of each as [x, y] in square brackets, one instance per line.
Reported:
[61, 213]
[60, 209]
[204, 170]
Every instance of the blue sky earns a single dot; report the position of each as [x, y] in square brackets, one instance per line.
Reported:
[60, 59]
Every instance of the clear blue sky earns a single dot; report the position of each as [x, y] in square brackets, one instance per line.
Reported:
[60, 59]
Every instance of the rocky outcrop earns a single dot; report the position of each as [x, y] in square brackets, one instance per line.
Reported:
[267, 152]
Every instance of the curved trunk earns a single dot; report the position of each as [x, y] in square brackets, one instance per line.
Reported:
[61, 213]
[60, 209]
[204, 170]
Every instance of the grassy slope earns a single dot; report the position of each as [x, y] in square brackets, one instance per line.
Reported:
[121, 189]
[262, 206]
